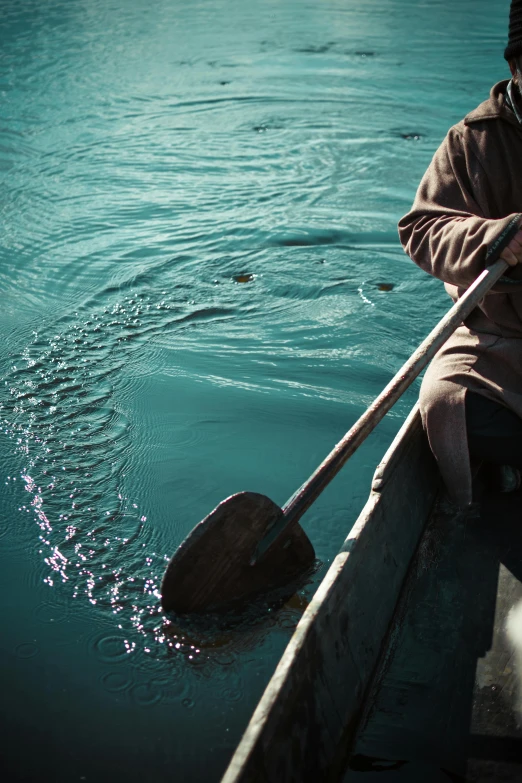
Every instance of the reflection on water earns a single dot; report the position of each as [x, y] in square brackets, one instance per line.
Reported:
[233, 632]
[201, 290]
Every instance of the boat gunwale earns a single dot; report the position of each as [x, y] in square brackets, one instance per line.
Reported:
[309, 698]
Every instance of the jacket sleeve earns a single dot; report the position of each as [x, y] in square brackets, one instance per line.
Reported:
[448, 231]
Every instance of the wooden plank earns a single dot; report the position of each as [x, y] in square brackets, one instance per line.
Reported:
[494, 748]
[301, 727]
[446, 704]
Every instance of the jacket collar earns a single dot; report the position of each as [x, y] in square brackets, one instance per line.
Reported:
[495, 107]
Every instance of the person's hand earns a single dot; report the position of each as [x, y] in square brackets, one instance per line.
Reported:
[512, 253]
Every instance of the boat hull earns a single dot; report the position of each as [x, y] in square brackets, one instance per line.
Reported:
[304, 723]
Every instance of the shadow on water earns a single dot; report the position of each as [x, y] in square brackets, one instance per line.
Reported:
[314, 237]
[236, 630]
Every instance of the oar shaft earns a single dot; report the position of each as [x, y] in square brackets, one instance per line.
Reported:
[311, 489]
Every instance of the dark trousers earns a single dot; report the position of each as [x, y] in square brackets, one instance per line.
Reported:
[494, 432]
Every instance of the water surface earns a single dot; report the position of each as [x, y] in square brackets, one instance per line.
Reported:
[202, 289]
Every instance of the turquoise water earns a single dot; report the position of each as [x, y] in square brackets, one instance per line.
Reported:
[152, 157]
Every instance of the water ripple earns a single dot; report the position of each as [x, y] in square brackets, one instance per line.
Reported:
[202, 284]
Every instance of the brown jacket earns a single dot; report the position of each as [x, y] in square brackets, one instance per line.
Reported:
[470, 195]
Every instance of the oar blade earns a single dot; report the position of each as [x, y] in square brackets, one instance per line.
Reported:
[211, 569]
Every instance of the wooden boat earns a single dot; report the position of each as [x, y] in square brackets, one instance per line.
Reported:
[408, 660]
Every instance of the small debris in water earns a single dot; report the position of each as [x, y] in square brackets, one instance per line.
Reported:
[316, 49]
[223, 83]
[275, 125]
[411, 136]
[365, 54]
[385, 286]
[244, 278]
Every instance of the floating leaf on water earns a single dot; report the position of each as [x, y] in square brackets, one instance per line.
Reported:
[385, 286]
[316, 49]
[246, 278]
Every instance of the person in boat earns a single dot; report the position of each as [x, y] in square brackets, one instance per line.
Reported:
[467, 212]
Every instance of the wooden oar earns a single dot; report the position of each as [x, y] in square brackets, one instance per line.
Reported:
[248, 544]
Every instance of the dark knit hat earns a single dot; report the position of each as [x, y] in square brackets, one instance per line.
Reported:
[514, 47]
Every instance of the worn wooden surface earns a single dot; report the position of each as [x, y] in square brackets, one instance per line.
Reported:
[301, 727]
[211, 568]
[446, 705]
